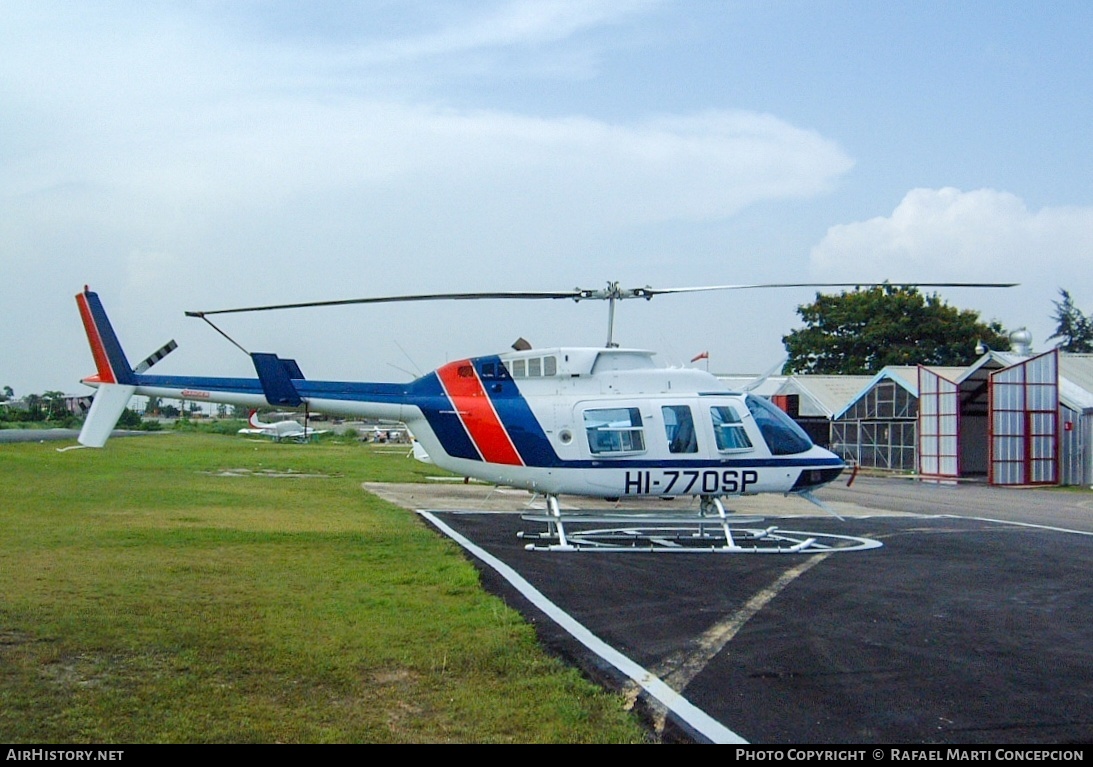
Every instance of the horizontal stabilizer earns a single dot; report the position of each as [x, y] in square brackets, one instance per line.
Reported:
[107, 407]
[274, 375]
[419, 452]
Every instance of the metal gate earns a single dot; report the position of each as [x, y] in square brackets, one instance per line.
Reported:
[1024, 422]
[938, 425]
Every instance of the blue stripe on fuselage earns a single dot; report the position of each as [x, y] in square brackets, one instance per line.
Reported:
[707, 463]
[394, 394]
[521, 425]
[512, 409]
[199, 383]
[428, 395]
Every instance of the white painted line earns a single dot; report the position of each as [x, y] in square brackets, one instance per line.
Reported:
[1018, 524]
[669, 698]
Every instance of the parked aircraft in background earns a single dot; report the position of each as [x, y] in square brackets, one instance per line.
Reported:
[281, 431]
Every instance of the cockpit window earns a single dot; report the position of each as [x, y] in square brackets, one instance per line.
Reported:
[782, 435]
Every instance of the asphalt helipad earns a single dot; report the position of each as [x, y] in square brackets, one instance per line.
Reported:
[971, 624]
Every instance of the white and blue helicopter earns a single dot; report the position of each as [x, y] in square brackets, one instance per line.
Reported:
[603, 421]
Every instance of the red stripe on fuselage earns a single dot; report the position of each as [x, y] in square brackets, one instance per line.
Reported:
[102, 361]
[476, 412]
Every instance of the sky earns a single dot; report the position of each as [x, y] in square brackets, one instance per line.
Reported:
[196, 155]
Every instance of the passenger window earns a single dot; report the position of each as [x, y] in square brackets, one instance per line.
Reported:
[535, 369]
[550, 366]
[614, 430]
[728, 429]
[679, 427]
[518, 368]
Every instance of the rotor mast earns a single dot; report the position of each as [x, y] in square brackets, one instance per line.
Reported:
[612, 294]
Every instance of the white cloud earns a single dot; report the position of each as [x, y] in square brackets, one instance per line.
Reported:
[526, 23]
[183, 119]
[170, 148]
[417, 164]
[943, 235]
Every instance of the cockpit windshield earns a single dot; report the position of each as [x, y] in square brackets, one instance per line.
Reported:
[782, 435]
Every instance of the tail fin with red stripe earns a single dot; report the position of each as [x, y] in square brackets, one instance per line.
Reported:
[115, 378]
[113, 367]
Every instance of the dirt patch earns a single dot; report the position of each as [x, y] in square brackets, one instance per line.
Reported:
[269, 473]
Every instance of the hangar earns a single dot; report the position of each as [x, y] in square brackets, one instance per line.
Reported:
[813, 400]
[1012, 419]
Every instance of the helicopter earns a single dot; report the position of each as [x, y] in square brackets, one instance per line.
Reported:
[589, 421]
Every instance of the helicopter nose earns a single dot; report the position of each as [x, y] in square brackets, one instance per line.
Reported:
[812, 478]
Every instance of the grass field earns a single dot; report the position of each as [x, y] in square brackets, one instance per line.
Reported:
[190, 588]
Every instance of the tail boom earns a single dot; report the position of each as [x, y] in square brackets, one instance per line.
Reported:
[280, 383]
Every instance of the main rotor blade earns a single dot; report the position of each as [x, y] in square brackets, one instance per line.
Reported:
[571, 294]
[612, 293]
[648, 292]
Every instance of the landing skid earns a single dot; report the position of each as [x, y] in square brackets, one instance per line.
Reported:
[705, 532]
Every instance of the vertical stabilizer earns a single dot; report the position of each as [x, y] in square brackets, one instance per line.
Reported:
[275, 374]
[113, 367]
[114, 377]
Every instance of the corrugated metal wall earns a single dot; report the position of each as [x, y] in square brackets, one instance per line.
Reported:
[1024, 422]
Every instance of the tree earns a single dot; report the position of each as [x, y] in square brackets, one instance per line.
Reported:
[860, 332]
[56, 406]
[129, 419]
[1071, 326]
